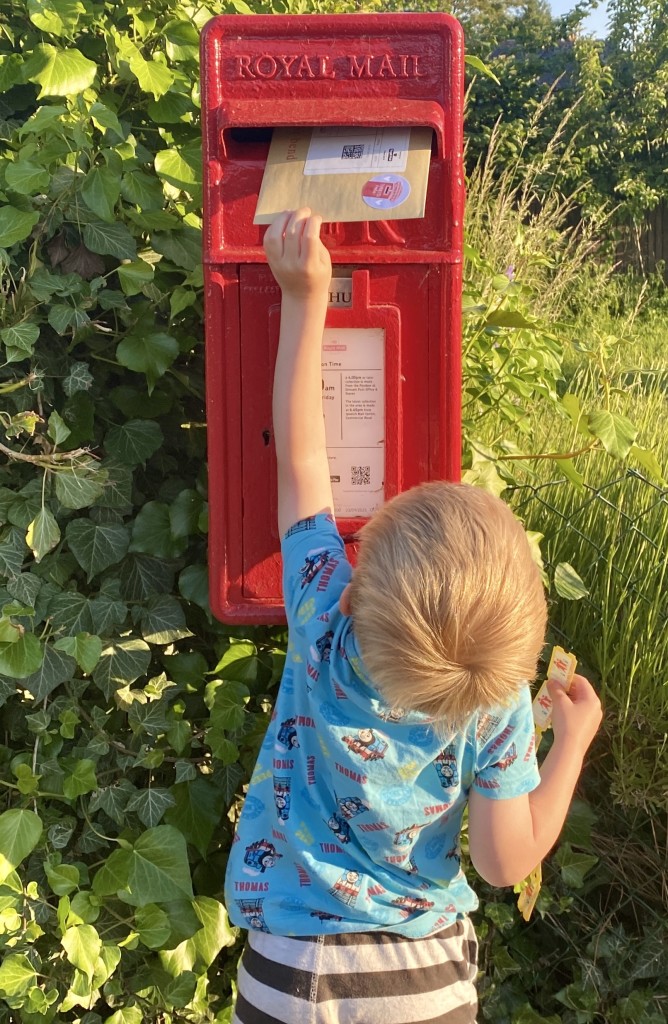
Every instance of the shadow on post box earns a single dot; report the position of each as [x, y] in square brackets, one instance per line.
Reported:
[392, 344]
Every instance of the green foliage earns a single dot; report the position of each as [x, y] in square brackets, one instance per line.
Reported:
[121, 758]
[596, 110]
[130, 719]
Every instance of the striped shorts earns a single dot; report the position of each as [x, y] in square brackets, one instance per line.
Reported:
[359, 978]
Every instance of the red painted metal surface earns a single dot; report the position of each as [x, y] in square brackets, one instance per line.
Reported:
[376, 70]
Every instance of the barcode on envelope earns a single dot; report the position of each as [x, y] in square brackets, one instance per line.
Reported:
[352, 152]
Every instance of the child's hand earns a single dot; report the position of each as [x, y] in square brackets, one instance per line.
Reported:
[576, 715]
[298, 259]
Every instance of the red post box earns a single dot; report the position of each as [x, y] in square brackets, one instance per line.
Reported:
[392, 346]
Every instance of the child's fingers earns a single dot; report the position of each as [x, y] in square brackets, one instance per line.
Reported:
[294, 230]
[313, 251]
[557, 692]
[312, 226]
[582, 692]
[273, 238]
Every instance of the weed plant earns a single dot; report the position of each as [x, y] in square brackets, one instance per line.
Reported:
[565, 321]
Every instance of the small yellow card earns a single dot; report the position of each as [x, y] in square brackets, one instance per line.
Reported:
[561, 669]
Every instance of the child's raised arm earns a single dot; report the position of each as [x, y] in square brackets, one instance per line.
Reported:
[302, 267]
[507, 838]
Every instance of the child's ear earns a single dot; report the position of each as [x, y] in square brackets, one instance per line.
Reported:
[344, 600]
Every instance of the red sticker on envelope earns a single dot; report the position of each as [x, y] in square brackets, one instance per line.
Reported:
[385, 191]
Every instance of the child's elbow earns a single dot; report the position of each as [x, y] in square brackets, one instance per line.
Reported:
[498, 874]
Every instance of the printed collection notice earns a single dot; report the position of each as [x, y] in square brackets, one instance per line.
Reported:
[353, 398]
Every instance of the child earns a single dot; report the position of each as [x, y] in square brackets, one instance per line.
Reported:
[405, 697]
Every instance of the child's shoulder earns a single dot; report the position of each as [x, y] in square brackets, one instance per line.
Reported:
[315, 568]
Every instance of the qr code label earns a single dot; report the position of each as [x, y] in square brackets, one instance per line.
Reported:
[352, 152]
[360, 476]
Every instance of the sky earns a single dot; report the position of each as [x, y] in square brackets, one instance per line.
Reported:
[594, 25]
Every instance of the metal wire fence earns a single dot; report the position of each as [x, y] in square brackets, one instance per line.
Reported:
[615, 535]
[617, 529]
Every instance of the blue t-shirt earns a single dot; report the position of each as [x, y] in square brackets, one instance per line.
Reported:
[352, 817]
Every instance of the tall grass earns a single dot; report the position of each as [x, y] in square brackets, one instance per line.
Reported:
[614, 531]
[519, 217]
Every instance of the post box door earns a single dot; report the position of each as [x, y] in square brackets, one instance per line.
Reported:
[405, 304]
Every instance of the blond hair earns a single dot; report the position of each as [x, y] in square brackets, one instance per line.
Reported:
[448, 604]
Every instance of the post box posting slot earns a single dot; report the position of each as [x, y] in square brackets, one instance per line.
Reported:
[391, 349]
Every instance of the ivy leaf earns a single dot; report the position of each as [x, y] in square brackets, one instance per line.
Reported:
[11, 70]
[142, 576]
[85, 648]
[153, 925]
[43, 533]
[70, 612]
[110, 240]
[164, 620]
[152, 532]
[572, 406]
[616, 432]
[568, 583]
[150, 718]
[113, 875]
[649, 462]
[17, 976]
[159, 869]
[63, 878]
[151, 354]
[107, 613]
[82, 946]
[197, 810]
[80, 486]
[20, 832]
[15, 225]
[483, 473]
[194, 586]
[150, 805]
[80, 777]
[127, 1015]
[22, 336]
[121, 664]
[7, 690]
[25, 588]
[113, 800]
[574, 866]
[60, 72]
[12, 551]
[568, 469]
[58, 430]
[78, 379]
[184, 513]
[96, 546]
[100, 191]
[205, 945]
[134, 442]
[22, 658]
[56, 668]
